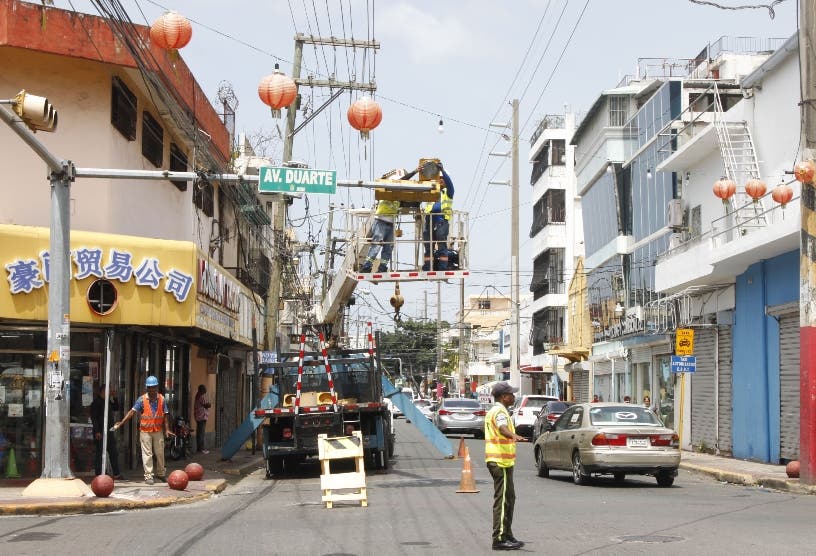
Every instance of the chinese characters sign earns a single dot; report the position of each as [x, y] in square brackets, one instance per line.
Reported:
[27, 275]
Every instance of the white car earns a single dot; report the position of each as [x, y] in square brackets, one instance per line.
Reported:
[424, 407]
[526, 410]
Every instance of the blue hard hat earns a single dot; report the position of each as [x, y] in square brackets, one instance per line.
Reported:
[152, 381]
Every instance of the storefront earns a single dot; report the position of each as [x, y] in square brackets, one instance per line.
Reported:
[137, 306]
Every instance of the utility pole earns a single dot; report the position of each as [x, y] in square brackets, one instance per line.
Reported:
[462, 365]
[279, 219]
[807, 252]
[439, 331]
[515, 377]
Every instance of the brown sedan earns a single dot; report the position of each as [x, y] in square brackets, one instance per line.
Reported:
[608, 438]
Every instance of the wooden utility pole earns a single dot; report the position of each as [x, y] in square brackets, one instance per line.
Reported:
[807, 252]
[273, 297]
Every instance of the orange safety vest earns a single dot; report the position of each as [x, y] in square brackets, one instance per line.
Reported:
[150, 422]
[498, 448]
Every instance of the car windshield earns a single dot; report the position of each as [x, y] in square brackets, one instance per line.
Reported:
[622, 415]
[535, 402]
[462, 404]
[425, 403]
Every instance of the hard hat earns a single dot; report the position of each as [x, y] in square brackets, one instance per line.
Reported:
[152, 381]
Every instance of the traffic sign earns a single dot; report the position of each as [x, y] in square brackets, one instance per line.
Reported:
[683, 364]
[684, 341]
[296, 180]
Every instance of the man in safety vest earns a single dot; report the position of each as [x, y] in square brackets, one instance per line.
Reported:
[500, 455]
[154, 425]
[381, 235]
[437, 222]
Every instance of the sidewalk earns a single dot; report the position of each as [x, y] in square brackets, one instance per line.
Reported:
[742, 472]
[133, 493]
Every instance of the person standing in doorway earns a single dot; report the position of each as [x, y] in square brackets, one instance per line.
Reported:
[153, 417]
[500, 456]
[98, 422]
[202, 413]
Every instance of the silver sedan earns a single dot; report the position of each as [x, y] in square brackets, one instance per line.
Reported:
[460, 415]
[608, 438]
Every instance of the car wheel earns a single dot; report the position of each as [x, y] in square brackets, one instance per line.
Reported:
[543, 470]
[619, 477]
[665, 478]
[579, 475]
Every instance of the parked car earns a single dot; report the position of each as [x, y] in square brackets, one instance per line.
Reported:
[608, 438]
[549, 413]
[526, 410]
[425, 407]
[460, 415]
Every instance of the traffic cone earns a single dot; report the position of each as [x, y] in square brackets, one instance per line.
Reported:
[11, 466]
[462, 448]
[466, 483]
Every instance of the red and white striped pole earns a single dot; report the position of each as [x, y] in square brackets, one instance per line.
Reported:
[370, 344]
[300, 372]
[328, 370]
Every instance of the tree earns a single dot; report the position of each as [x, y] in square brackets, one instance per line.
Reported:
[414, 342]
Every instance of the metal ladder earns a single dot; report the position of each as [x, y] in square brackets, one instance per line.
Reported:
[740, 165]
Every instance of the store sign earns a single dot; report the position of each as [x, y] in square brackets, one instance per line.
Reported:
[217, 286]
[632, 324]
[27, 275]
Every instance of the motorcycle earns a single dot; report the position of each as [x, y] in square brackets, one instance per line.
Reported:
[180, 443]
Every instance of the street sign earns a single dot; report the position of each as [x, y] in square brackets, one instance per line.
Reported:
[683, 364]
[267, 357]
[684, 341]
[296, 180]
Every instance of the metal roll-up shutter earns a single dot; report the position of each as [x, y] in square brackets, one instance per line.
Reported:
[602, 372]
[640, 355]
[703, 385]
[580, 385]
[726, 400]
[789, 386]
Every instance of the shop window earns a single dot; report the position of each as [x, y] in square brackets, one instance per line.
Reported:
[123, 109]
[20, 412]
[178, 163]
[152, 140]
[102, 297]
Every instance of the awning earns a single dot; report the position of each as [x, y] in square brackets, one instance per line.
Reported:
[531, 369]
[574, 354]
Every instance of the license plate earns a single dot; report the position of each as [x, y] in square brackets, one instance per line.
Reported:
[637, 442]
[461, 416]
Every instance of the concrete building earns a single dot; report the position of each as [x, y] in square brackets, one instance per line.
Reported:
[166, 276]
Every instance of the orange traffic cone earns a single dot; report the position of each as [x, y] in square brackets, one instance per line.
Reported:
[462, 448]
[466, 483]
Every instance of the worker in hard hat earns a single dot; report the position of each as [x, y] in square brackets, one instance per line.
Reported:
[382, 235]
[437, 222]
[154, 425]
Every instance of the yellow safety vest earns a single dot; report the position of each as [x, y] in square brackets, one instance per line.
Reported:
[387, 208]
[445, 203]
[498, 448]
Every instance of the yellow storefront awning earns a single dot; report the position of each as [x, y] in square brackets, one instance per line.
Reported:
[574, 354]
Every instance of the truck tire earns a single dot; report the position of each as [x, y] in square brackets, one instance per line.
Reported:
[274, 466]
[390, 446]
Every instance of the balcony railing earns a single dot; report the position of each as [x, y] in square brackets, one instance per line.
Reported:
[550, 121]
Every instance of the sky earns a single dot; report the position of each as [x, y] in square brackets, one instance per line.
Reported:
[460, 61]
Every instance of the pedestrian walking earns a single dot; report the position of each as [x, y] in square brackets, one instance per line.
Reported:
[500, 456]
[153, 417]
[201, 410]
[98, 424]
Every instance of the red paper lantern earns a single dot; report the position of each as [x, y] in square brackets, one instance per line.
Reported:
[804, 171]
[102, 485]
[782, 194]
[755, 188]
[194, 471]
[724, 189]
[177, 480]
[171, 31]
[364, 115]
[277, 91]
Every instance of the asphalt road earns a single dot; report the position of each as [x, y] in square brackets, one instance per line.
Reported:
[414, 509]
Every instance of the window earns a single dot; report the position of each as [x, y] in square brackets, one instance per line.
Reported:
[178, 163]
[123, 109]
[203, 197]
[152, 140]
[102, 297]
[559, 152]
[484, 304]
[617, 110]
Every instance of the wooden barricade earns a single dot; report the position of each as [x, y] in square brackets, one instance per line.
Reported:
[342, 447]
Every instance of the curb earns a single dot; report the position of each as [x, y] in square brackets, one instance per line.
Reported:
[105, 505]
[720, 475]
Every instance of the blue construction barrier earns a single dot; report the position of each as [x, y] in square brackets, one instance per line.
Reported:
[245, 430]
[428, 429]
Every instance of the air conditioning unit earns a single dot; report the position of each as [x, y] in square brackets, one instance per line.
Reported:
[675, 213]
